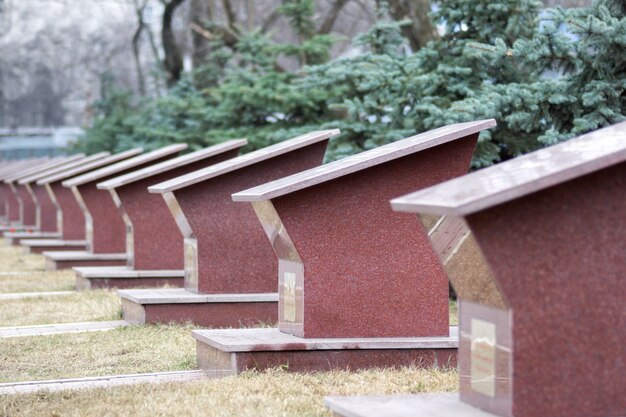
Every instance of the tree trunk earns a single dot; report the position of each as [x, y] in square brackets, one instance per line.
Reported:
[420, 30]
[200, 12]
[332, 15]
[173, 62]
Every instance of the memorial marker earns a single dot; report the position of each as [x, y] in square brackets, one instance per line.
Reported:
[542, 326]
[70, 220]
[69, 215]
[230, 269]
[7, 170]
[105, 230]
[11, 200]
[154, 244]
[45, 210]
[354, 277]
[25, 203]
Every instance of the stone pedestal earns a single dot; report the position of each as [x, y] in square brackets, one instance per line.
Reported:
[154, 244]
[226, 252]
[70, 220]
[104, 228]
[542, 314]
[349, 267]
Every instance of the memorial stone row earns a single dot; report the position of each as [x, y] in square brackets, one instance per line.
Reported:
[352, 260]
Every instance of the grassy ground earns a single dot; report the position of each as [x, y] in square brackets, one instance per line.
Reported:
[12, 259]
[96, 305]
[271, 393]
[454, 313]
[134, 349]
[38, 281]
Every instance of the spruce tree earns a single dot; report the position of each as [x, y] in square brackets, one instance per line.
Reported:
[577, 78]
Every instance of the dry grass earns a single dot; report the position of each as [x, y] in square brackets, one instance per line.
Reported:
[454, 313]
[63, 280]
[97, 305]
[12, 259]
[134, 349]
[271, 393]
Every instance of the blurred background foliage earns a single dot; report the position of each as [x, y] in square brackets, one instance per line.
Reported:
[545, 75]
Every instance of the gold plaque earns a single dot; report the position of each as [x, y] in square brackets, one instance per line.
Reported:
[289, 296]
[483, 357]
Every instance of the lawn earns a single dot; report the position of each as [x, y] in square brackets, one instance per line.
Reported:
[134, 349]
[251, 394]
[37, 281]
[12, 259]
[96, 305]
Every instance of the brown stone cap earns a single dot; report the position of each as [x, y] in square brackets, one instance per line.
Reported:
[63, 168]
[362, 161]
[172, 164]
[90, 166]
[124, 165]
[520, 176]
[51, 163]
[242, 161]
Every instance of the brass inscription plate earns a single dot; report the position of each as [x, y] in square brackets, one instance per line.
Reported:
[483, 357]
[289, 296]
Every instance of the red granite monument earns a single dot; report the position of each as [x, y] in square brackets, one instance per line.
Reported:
[5, 190]
[25, 203]
[70, 220]
[105, 230]
[154, 244]
[351, 272]
[45, 210]
[542, 306]
[11, 199]
[230, 268]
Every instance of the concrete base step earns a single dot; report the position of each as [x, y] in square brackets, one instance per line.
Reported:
[16, 238]
[43, 245]
[125, 277]
[178, 305]
[70, 259]
[236, 350]
[421, 405]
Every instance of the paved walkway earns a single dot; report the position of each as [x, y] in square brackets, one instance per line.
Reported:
[11, 273]
[99, 382]
[49, 329]
[22, 295]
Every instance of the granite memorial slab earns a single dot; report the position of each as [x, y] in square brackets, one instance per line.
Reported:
[25, 201]
[5, 189]
[105, 231]
[12, 202]
[154, 244]
[548, 337]
[349, 268]
[70, 220]
[227, 256]
[45, 211]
